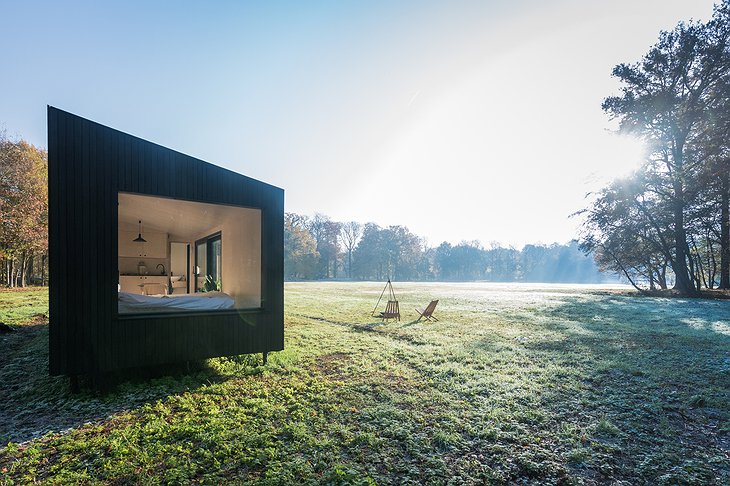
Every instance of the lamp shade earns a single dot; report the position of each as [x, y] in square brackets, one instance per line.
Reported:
[139, 238]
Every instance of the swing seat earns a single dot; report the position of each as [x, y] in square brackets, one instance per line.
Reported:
[391, 311]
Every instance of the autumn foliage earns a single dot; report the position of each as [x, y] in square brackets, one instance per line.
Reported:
[24, 212]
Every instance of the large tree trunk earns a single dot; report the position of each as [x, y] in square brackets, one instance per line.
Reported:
[683, 282]
[725, 230]
[663, 277]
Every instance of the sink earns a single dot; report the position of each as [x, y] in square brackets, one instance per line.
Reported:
[175, 278]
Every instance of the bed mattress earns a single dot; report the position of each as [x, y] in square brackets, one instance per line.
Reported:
[201, 301]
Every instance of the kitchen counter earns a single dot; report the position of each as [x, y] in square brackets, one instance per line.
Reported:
[134, 284]
[143, 275]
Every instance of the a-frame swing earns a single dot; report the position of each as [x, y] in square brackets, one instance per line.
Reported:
[391, 308]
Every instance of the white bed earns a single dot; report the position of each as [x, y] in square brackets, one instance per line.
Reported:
[201, 301]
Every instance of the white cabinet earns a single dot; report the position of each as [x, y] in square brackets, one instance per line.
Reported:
[127, 247]
[131, 285]
[134, 284]
[180, 287]
[154, 247]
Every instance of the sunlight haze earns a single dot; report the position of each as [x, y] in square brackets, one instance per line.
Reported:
[460, 120]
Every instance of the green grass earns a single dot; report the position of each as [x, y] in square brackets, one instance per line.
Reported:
[513, 384]
[23, 306]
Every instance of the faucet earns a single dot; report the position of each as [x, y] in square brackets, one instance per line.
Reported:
[163, 268]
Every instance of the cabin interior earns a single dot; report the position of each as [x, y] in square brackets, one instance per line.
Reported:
[181, 256]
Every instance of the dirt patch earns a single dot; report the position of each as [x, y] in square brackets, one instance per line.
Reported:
[333, 365]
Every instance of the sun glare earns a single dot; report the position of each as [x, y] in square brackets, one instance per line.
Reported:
[620, 155]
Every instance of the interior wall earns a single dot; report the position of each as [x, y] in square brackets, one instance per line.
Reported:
[241, 245]
[241, 270]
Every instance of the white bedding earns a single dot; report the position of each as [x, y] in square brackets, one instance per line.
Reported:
[201, 301]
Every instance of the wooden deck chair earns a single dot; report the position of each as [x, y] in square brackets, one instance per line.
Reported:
[391, 311]
[427, 313]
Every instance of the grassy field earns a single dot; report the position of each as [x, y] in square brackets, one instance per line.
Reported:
[514, 384]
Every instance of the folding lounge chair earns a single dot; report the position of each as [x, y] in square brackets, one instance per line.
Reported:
[427, 313]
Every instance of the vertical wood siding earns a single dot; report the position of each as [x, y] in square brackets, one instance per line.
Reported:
[89, 164]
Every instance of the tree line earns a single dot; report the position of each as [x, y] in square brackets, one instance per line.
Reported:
[668, 224]
[317, 247]
[314, 247]
[23, 213]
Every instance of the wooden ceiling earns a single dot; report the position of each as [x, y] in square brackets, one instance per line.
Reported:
[181, 219]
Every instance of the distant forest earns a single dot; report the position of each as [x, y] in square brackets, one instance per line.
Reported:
[315, 248]
[318, 248]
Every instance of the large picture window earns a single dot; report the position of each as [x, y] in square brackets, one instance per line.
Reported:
[182, 256]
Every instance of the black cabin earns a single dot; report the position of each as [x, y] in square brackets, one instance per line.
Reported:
[156, 257]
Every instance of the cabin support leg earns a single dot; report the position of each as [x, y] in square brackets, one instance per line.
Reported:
[74, 384]
[100, 382]
[266, 356]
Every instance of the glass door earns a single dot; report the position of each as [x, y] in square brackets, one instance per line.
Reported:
[208, 260]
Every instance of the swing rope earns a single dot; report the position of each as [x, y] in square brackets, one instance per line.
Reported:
[391, 295]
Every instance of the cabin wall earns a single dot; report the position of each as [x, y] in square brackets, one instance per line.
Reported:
[89, 164]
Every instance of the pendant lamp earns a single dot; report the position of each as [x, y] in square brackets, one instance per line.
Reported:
[139, 238]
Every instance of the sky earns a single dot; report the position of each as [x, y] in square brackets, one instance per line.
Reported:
[462, 120]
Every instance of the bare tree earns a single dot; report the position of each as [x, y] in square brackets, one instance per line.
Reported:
[325, 232]
[350, 234]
